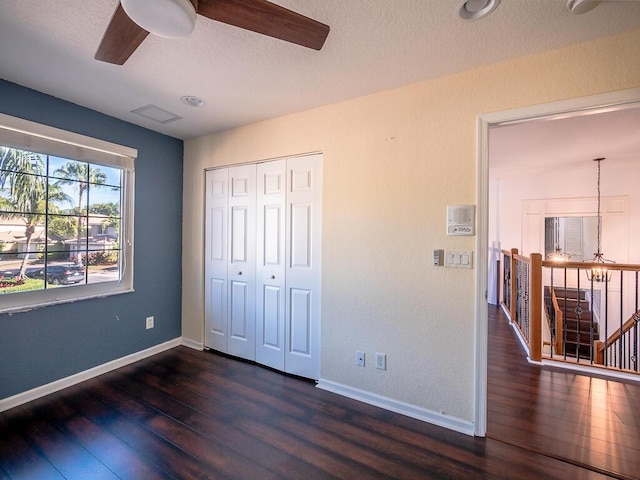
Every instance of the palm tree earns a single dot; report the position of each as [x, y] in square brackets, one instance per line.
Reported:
[6, 205]
[23, 172]
[80, 175]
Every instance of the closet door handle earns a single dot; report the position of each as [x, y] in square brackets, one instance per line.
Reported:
[239, 273]
[273, 277]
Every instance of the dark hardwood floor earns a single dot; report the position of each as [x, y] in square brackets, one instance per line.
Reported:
[584, 420]
[186, 414]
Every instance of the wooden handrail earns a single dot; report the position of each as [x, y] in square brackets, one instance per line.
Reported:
[559, 323]
[524, 259]
[587, 265]
[600, 346]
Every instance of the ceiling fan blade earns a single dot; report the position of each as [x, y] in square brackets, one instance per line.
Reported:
[267, 18]
[121, 38]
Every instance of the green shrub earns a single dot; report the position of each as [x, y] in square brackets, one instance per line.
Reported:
[13, 286]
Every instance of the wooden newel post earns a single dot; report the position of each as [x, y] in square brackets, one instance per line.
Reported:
[598, 349]
[535, 308]
[514, 291]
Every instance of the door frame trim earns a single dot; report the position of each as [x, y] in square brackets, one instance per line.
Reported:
[571, 107]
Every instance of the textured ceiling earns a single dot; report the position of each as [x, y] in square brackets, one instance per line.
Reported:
[244, 77]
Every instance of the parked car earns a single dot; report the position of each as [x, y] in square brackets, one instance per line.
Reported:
[61, 274]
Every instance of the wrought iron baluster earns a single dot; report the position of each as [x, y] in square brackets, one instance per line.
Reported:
[506, 289]
[564, 313]
[578, 312]
[553, 316]
[607, 362]
[622, 342]
[626, 361]
[634, 358]
[518, 298]
[526, 301]
[636, 318]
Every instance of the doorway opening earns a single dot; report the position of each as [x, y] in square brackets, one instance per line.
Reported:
[506, 144]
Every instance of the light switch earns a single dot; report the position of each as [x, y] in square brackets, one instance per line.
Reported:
[456, 259]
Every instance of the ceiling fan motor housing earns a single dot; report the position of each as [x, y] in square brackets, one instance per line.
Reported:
[133, 20]
[166, 18]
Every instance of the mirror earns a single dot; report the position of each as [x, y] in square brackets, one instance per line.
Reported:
[576, 236]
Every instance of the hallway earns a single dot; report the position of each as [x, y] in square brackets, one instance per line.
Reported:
[590, 422]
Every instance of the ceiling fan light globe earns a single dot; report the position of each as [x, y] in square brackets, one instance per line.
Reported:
[166, 18]
[578, 7]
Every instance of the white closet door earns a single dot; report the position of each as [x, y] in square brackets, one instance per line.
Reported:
[242, 262]
[303, 268]
[216, 315]
[270, 264]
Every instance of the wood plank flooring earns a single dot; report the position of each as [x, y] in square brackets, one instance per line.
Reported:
[185, 414]
[584, 420]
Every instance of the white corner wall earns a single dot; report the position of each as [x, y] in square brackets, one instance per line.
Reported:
[393, 161]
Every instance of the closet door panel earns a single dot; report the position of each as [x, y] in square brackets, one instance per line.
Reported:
[271, 313]
[270, 265]
[301, 235]
[303, 267]
[240, 315]
[216, 318]
[300, 343]
[242, 260]
[218, 298]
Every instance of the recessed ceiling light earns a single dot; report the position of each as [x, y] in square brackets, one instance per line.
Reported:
[475, 9]
[193, 101]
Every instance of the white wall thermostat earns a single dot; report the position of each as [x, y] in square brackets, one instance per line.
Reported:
[461, 220]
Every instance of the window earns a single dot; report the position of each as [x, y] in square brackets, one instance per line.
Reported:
[66, 216]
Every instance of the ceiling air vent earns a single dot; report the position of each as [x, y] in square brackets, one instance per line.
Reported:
[156, 114]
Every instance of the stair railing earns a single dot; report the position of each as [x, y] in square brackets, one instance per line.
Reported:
[620, 349]
[522, 299]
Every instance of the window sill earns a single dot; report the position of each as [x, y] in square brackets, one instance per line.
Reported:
[89, 295]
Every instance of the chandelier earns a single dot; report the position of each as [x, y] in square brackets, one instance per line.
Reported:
[599, 273]
[557, 255]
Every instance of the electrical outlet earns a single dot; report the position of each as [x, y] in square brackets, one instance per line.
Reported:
[381, 361]
[150, 322]
[360, 359]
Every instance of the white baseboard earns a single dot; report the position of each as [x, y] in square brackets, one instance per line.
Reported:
[396, 406]
[523, 342]
[592, 370]
[29, 395]
[187, 342]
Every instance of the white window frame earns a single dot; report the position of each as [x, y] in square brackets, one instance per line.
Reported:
[26, 135]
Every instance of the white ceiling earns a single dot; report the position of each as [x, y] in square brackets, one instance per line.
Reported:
[374, 45]
[567, 140]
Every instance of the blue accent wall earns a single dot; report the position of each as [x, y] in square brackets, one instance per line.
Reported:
[50, 343]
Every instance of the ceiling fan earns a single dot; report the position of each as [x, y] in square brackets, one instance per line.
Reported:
[133, 20]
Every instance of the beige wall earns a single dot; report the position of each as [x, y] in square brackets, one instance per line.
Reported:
[392, 162]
